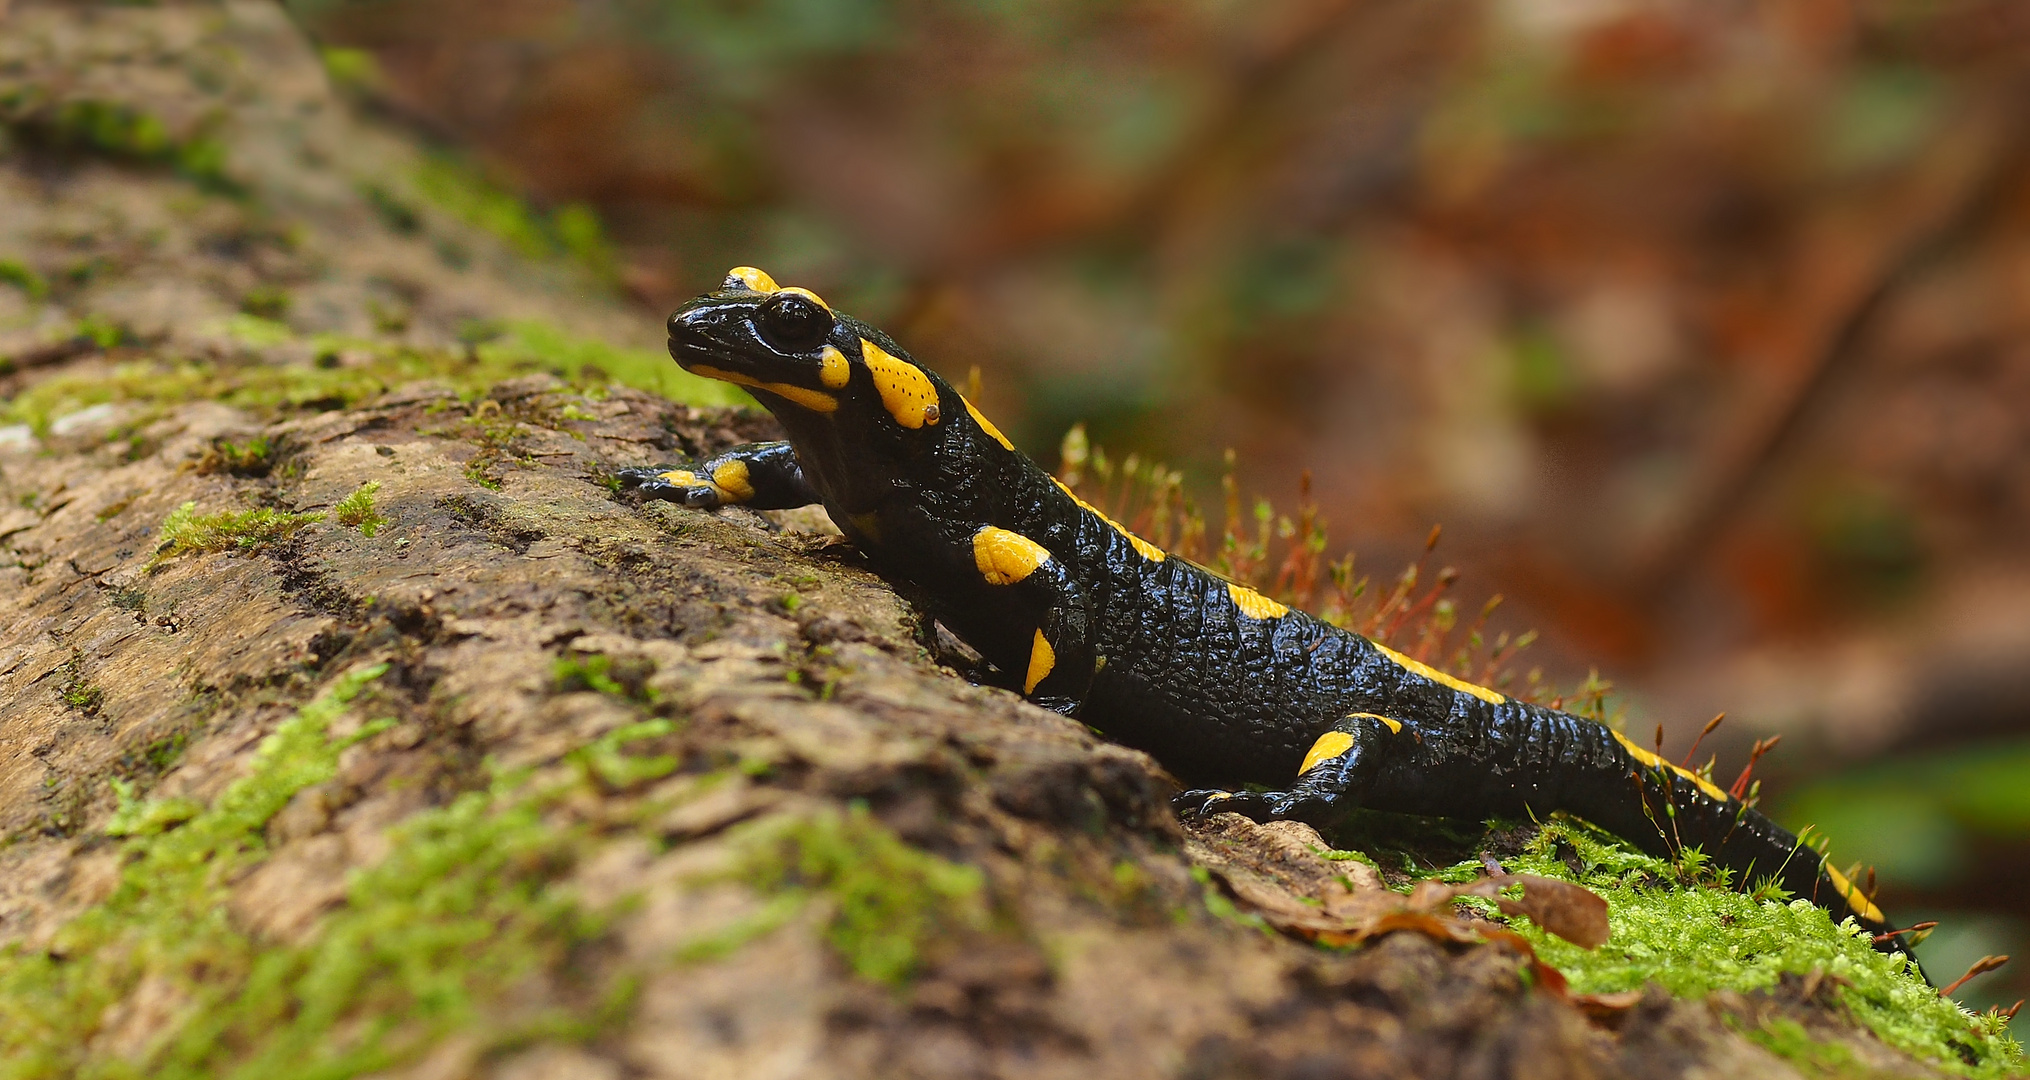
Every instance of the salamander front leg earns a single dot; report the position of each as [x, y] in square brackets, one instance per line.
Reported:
[763, 476]
[1061, 663]
[1334, 778]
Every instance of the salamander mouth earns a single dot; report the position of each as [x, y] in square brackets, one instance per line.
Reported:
[700, 355]
[690, 353]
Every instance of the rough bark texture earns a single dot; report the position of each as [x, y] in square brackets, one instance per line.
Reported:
[794, 845]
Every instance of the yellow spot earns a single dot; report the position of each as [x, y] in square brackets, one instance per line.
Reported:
[905, 389]
[814, 400]
[750, 278]
[1395, 726]
[805, 293]
[681, 476]
[1142, 547]
[1253, 604]
[1004, 557]
[1648, 758]
[731, 478]
[1041, 660]
[867, 524]
[1329, 745]
[987, 425]
[833, 370]
[1418, 667]
[1855, 898]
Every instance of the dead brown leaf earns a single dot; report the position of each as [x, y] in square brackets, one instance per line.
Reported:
[1570, 911]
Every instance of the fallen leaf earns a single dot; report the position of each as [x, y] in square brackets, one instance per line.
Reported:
[1570, 911]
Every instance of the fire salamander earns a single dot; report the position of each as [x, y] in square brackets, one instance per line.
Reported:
[1220, 683]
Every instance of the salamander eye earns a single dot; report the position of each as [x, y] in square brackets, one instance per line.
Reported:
[793, 323]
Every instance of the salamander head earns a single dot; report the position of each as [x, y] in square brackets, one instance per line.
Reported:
[802, 359]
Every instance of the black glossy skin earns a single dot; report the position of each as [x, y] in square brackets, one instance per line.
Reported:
[1158, 654]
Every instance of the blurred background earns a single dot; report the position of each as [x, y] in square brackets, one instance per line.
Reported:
[1702, 326]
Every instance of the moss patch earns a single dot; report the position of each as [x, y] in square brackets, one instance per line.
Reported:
[529, 343]
[21, 276]
[624, 678]
[572, 231]
[252, 458]
[76, 691]
[121, 132]
[461, 913]
[892, 904]
[185, 531]
[356, 511]
[1692, 940]
[513, 350]
[165, 923]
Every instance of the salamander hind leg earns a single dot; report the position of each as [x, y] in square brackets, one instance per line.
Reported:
[1333, 779]
[763, 476]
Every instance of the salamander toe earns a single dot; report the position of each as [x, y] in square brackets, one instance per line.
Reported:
[1202, 802]
[1305, 806]
[671, 483]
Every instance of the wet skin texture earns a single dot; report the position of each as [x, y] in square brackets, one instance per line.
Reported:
[1220, 684]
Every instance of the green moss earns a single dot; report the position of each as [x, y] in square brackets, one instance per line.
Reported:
[891, 903]
[19, 275]
[572, 231]
[608, 761]
[255, 457]
[351, 69]
[461, 912]
[76, 691]
[1693, 940]
[625, 678]
[476, 472]
[120, 131]
[532, 343]
[1788, 1039]
[266, 302]
[100, 331]
[185, 530]
[394, 212]
[356, 511]
[523, 347]
[257, 330]
[166, 918]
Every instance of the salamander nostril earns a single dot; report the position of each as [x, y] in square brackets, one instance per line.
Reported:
[675, 320]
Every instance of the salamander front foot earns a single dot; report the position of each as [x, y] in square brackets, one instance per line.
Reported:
[1303, 806]
[672, 483]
